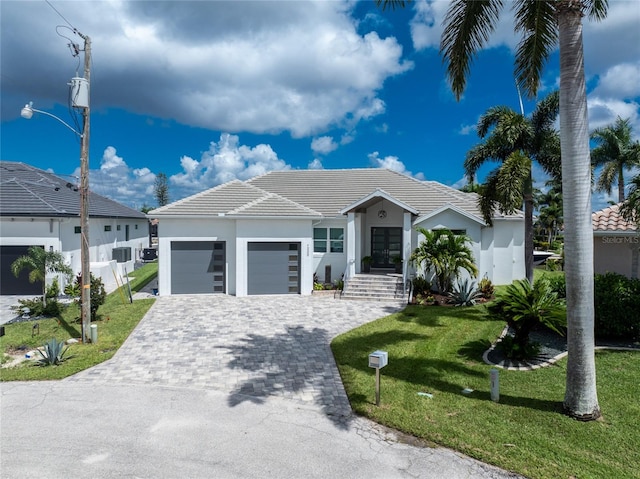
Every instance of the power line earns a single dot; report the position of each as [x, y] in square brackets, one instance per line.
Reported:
[61, 15]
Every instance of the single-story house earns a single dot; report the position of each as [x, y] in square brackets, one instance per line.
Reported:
[39, 208]
[616, 243]
[271, 234]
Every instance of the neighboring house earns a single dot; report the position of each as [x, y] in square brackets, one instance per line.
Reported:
[616, 243]
[39, 208]
[271, 234]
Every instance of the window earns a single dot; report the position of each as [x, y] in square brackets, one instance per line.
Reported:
[107, 227]
[328, 240]
[337, 240]
[136, 227]
[77, 230]
[459, 232]
[118, 227]
[319, 240]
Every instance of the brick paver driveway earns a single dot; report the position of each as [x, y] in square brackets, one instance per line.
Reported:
[251, 347]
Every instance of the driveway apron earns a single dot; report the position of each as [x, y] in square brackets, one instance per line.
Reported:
[251, 347]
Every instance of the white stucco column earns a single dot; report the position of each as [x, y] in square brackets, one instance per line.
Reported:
[351, 244]
[406, 243]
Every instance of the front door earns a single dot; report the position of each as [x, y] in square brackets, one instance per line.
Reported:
[386, 244]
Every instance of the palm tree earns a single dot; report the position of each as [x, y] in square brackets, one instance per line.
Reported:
[615, 152]
[550, 206]
[445, 254]
[515, 141]
[630, 209]
[543, 25]
[39, 262]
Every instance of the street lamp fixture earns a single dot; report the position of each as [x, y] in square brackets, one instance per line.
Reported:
[28, 111]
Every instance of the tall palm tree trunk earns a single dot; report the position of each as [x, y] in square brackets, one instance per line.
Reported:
[581, 399]
[620, 183]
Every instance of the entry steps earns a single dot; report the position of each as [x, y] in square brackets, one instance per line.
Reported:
[375, 287]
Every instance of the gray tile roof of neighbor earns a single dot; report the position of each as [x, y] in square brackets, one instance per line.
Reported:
[320, 193]
[29, 191]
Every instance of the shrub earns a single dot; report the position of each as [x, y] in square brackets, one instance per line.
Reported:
[421, 286]
[524, 306]
[558, 284]
[36, 308]
[486, 288]
[97, 296]
[617, 307]
[465, 293]
[53, 291]
[515, 350]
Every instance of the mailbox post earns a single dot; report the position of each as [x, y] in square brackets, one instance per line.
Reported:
[378, 359]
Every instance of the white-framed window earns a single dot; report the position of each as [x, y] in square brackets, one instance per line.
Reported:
[328, 240]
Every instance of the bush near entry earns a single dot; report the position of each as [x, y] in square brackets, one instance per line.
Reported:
[617, 307]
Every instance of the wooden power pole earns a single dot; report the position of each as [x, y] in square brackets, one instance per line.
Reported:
[84, 200]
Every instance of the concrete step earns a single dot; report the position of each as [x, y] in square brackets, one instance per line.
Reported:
[388, 287]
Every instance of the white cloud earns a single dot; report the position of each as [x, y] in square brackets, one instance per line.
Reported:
[323, 145]
[467, 129]
[621, 81]
[392, 163]
[260, 67]
[225, 160]
[116, 180]
[316, 164]
[460, 183]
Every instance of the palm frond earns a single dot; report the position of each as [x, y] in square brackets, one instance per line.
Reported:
[392, 3]
[536, 21]
[467, 27]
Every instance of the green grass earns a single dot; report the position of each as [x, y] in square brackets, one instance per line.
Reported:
[438, 350]
[117, 318]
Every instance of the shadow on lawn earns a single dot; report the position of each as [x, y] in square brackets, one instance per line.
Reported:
[72, 331]
[473, 350]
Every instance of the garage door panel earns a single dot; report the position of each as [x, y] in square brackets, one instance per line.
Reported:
[273, 268]
[197, 267]
[9, 284]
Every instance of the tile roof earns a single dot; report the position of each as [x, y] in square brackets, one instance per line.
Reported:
[29, 191]
[609, 219]
[235, 199]
[320, 193]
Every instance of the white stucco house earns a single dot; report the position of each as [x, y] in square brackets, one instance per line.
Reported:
[272, 233]
[616, 243]
[38, 208]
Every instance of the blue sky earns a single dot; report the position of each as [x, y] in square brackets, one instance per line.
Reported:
[210, 91]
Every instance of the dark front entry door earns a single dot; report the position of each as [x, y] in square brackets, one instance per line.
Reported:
[386, 244]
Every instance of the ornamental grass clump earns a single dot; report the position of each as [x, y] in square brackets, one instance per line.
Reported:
[524, 306]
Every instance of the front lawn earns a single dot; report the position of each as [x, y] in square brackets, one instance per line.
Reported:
[438, 350]
[117, 318]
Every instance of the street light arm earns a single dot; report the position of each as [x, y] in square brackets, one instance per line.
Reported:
[27, 113]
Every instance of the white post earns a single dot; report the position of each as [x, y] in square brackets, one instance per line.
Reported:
[495, 384]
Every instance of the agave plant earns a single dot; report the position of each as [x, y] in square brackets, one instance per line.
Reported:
[54, 353]
[465, 293]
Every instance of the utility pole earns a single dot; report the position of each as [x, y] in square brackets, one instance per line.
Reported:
[84, 200]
